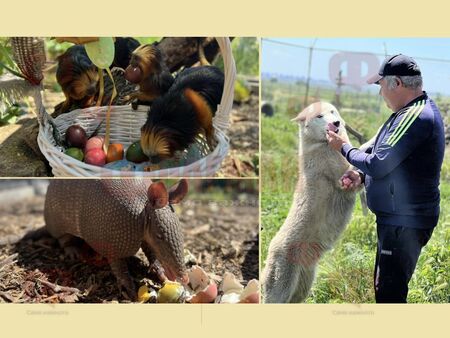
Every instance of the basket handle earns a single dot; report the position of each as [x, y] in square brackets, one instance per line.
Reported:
[41, 112]
[222, 118]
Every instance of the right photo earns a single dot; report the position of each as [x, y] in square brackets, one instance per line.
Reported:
[355, 170]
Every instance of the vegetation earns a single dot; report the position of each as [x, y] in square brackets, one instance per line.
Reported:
[246, 56]
[345, 273]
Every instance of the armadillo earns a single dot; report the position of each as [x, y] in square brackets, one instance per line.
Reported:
[116, 217]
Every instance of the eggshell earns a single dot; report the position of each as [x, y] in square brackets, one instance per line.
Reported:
[203, 289]
[234, 292]
[230, 284]
[231, 289]
[251, 292]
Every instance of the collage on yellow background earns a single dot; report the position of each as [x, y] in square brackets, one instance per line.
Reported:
[223, 180]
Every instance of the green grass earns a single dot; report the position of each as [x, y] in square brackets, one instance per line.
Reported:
[345, 273]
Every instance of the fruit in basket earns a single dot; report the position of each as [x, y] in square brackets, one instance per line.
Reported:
[76, 136]
[95, 157]
[115, 152]
[76, 153]
[135, 153]
[95, 142]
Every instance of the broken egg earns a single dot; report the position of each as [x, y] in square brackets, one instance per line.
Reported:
[171, 292]
[146, 295]
[203, 288]
[251, 292]
[234, 292]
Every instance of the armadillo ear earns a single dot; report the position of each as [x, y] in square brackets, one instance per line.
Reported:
[178, 192]
[157, 195]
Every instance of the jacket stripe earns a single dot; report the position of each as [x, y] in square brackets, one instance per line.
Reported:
[406, 117]
[417, 113]
[411, 118]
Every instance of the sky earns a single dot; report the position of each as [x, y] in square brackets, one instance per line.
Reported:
[290, 60]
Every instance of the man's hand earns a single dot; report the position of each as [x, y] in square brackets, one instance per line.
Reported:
[334, 140]
[351, 180]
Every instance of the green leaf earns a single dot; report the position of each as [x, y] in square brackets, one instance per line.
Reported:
[101, 52]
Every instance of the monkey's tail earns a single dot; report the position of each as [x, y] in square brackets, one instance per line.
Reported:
[31, 235]
[201, 54]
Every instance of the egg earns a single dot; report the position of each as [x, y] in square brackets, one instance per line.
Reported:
[95, 157]
[202, 288]
[135, 153]
[251, 292]
[76, 136]
[234, 292]
[94, 143]
[115, 152]
[171, 292]
[75, 153]
[146, 294]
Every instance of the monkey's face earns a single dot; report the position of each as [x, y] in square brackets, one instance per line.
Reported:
[144, 62]
[158, 143]
[77, 75]
[83, 86]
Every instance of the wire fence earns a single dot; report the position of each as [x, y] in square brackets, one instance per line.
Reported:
[339, 76]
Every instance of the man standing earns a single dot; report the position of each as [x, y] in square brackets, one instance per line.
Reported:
[401, 171]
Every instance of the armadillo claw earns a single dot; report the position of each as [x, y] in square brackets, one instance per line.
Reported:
[72, 252]
[158, 270]
[120, 270]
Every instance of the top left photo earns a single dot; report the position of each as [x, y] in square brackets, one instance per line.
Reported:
[129, 106]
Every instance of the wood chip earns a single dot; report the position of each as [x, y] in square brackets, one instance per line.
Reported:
[8, 260]
[6, 297]
[58, 288]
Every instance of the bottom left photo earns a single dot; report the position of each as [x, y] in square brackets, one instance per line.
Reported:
[129, 240]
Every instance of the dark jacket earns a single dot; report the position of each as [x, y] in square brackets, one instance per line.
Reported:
[402, 168]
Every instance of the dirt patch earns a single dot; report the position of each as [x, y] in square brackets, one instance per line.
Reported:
[243, 158]
[220, 236]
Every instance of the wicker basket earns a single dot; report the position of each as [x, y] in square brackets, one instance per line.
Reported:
[125, 129]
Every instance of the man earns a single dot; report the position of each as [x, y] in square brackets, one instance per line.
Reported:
[400, 171]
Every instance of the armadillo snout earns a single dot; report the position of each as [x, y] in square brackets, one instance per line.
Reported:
[166, 241]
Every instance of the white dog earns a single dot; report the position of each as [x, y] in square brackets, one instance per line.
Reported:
[319, 213]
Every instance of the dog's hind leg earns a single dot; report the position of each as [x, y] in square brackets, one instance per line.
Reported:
[305, 281]
[280, 280]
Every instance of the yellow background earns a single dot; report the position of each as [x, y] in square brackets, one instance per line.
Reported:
[350, 18]
[227, 17]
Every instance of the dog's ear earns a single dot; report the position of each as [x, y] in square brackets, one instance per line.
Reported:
[309, 112]
[299, 118]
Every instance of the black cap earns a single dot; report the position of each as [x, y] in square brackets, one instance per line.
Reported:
[400, 65]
